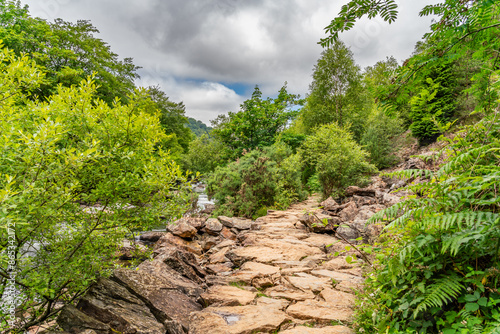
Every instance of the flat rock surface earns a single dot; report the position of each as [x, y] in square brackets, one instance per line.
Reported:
[237, 320]
[319, 311]
[226, 295]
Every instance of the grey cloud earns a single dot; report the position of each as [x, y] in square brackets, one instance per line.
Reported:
[264, 42]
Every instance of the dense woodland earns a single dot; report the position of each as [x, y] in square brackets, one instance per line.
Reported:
[77, 134]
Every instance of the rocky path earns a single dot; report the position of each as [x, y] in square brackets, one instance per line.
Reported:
[277, 274]
[286, 280]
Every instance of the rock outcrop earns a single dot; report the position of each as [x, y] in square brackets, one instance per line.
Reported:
[238, 276]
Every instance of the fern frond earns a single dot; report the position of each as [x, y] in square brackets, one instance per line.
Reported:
[455, 241]
[461, 220]
[410, 173]
[397, 209]
[439, 293]
[461, 160]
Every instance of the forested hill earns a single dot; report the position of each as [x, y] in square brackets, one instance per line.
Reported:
[198, 127]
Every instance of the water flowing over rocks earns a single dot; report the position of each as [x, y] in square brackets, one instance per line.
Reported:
[238, 276]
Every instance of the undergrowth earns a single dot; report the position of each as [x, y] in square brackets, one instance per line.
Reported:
[439, 268]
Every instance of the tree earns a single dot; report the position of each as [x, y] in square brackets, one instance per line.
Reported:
[198, 127]
[336, 158]
[258, 122]
[379, 138]
[336, 93]
[204, 155]
[173, 119]
[76, 176]
[69, 52]
[378, 77]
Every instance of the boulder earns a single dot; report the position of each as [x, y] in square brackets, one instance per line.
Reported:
[114, 305]
[414, 163]
[196, 222]
[213, 226]
[75, 321]
[182, 229]
[337, 276]
[349, 212]
[340, 299]
[280, 304]
[329, 204]
[165, 301]
[219, 257]
[320, 223]
[306, 282]
[289, 293]
[353, 190]
[226, 221]
[130, 250]
[208, 242]
[184, 263]
[253, 253]
[169, 240]
[242, 224]
[208, 209]
[348, 233]
[364, 200]
[218, 268]
[151, 236]
[227, 234]
[182, 284]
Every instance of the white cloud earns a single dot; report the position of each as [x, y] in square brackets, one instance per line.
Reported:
[203, 100]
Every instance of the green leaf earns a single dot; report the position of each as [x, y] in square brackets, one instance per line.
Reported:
[471, 307]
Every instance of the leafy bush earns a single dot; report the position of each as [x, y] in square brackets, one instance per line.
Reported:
[56, 156]
[267, 178]
[336, 158]
[378, 138]
[440, 268]
[204, 155]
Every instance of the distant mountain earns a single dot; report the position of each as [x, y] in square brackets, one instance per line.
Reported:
[198, 127]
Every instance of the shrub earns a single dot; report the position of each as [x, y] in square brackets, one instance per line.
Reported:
[336, 158]
[378, 138]
[267, 178]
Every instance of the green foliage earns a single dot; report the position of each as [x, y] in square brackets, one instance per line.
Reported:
[434, 103]
[57, 158]
[442, 273]
[336, 93]
[336, 158]
[257, 124]
[204, 155]
[69, 52]
[262, 178]
[198, 127]
[354, 10]
[172, 119]
[378, 138]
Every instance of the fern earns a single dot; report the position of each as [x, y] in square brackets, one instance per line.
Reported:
[444, 290]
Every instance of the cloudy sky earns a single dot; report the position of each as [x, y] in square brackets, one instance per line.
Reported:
[210, 54]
